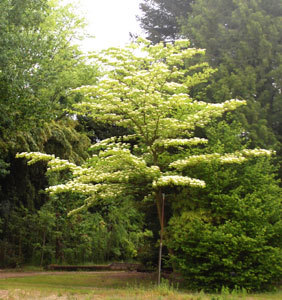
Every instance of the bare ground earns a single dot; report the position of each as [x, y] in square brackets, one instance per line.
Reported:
[119, 274]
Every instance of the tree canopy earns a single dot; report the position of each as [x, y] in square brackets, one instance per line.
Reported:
[39, 63]
[145, 90]
[242, 40]
[160, 125]
[159, 18]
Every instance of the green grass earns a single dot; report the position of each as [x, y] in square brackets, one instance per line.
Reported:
[75, 280]
[107, 286]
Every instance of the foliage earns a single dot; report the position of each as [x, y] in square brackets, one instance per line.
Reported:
[230, 233]
[112, 232]
[147, 93]
[39, 64]
[242, 40]
[159, 18]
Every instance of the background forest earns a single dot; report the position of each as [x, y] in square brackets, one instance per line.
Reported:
[228, 234]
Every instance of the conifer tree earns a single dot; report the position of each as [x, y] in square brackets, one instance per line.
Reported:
[159, 18]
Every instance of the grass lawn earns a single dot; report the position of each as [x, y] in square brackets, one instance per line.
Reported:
[106, 286]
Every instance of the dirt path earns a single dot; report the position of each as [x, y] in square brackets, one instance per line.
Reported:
[5, 274]
[120, 274]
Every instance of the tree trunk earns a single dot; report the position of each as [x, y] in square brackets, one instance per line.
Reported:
[43, 246]
[160, 207]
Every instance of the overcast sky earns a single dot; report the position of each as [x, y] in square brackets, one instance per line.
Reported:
[110, 21]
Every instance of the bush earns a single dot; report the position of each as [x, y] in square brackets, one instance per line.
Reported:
[233, 237]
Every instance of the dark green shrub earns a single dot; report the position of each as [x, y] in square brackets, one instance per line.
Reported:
[232, 236]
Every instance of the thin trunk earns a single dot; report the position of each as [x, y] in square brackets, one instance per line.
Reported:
[161, 217]
[43, 247]
[20, 248]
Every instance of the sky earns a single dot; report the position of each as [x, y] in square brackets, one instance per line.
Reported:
[110, 21]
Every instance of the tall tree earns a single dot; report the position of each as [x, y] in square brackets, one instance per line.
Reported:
[159, 18]
[38, 67]
[147, 94]
[39, 64]
[243, 41]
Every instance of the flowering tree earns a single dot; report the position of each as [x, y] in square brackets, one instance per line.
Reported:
[146, 91]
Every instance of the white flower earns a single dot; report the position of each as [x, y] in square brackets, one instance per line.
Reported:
[178, 180]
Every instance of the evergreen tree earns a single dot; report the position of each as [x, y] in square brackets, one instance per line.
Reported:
[243, 40]
[159, 18]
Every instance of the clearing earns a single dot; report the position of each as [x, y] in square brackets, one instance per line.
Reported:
[111, 285]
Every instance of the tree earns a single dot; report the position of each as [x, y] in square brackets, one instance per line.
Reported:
[229, 233]
[39, 65]
[242, 40]
[146, 90]
[160, 18]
